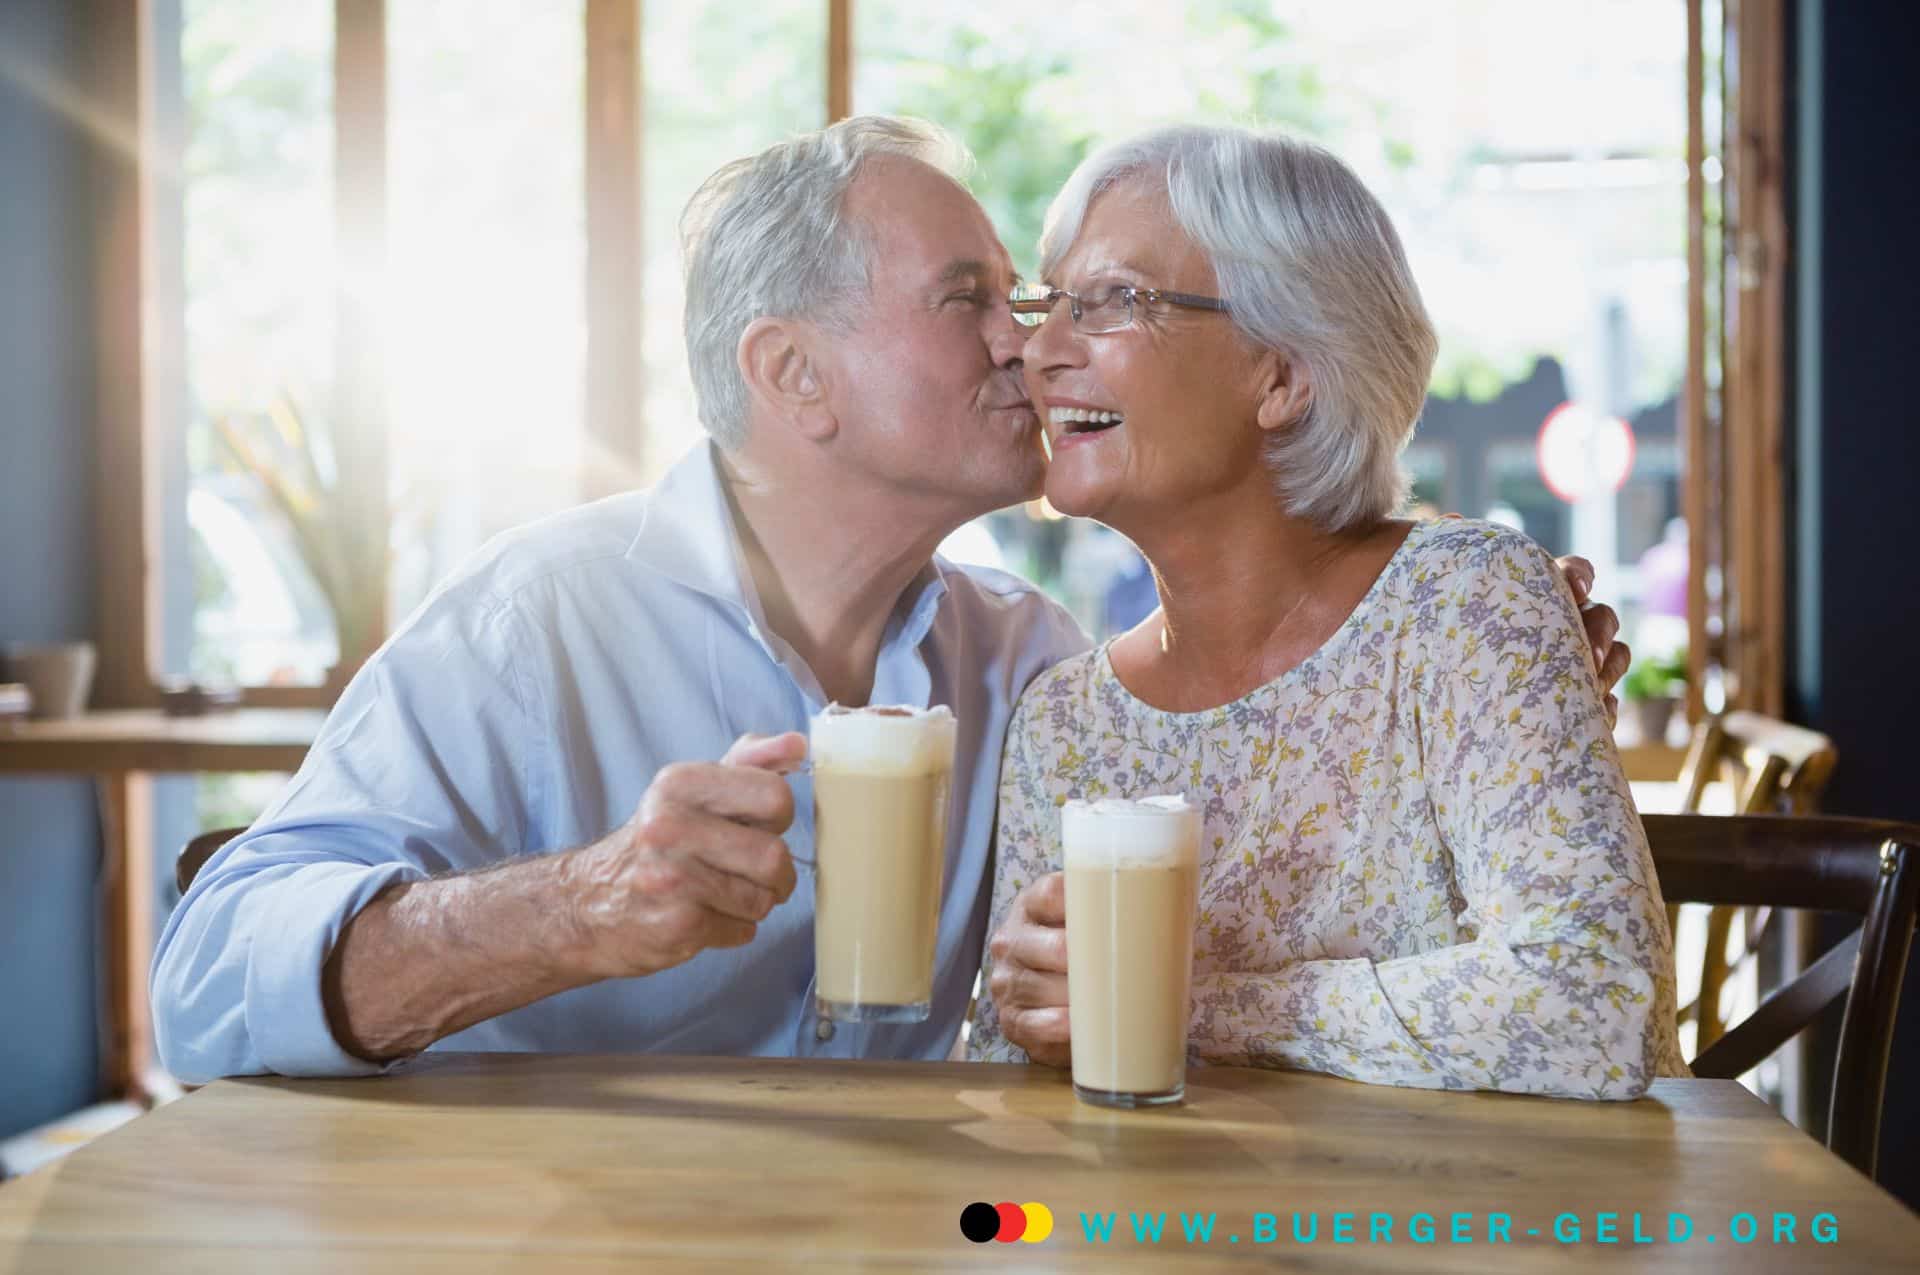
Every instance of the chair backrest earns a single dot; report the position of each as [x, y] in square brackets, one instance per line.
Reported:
[194, 855]
[1775, 766]
[1862, 867]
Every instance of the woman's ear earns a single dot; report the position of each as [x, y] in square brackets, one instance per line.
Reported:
[782, 366]
[1285, 389]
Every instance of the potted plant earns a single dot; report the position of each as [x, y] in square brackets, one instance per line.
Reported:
[298, 466]
[1651, 689]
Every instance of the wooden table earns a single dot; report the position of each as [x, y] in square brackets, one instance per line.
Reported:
[1652, 763]
[459, 1163]
[122, 751]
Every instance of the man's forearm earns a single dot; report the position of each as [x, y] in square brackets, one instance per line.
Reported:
[426, 959]
[699, 865]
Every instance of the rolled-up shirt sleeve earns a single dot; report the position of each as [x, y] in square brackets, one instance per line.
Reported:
[426, 765]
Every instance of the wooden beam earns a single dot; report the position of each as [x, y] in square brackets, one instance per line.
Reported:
[360, 297]
[1699, 470]
[839, 60]
[1753, 197]
[616, 246]
[126, 500]
[126, 825]
[1765, 126]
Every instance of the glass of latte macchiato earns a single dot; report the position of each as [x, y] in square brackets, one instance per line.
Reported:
[881, 781]
[1132, 892]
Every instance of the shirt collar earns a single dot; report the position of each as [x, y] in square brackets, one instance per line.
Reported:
[918, 605]
[688, 536]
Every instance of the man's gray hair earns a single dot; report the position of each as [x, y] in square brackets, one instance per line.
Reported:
[768, 236]
[1312, 267]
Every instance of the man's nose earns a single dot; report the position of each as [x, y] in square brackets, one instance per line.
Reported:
[1009, 342]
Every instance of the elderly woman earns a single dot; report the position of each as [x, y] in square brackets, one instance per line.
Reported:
[1421, 865]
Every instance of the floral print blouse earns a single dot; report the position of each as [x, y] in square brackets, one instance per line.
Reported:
[1420, 861]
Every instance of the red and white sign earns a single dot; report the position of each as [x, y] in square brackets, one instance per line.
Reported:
[1584, 453]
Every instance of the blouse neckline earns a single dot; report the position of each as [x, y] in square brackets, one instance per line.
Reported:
[1369, 602]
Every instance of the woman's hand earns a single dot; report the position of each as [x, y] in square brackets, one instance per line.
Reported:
[1029, 981]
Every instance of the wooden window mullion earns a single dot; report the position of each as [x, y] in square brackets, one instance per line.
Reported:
[839, 60]
[616, 248]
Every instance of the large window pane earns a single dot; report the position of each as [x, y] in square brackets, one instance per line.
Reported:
[1031, 103]
[486, 310]
[721, 80]
[1531, 156]
[258, 235]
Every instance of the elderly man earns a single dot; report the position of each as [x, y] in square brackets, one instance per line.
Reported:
[498, 840]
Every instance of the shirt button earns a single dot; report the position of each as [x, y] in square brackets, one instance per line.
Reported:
[823, 1030]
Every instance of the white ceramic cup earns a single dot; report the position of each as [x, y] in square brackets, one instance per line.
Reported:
[58, 675]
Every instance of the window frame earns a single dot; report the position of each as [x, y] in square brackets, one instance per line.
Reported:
[1733, 490]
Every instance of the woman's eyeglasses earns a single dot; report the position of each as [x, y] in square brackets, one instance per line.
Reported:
[1104, 309]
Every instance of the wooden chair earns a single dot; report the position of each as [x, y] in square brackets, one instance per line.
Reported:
[1775, 768]
[194, 855]
[1860, 867]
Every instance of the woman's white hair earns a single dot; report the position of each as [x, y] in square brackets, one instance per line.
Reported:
[768, 235]
[1311, 266]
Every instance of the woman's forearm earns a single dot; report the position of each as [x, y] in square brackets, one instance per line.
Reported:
[1554, 1018]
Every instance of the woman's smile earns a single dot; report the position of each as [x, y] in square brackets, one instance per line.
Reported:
[1072, 423]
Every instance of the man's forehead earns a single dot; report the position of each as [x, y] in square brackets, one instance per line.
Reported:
[913, 209]
[961, 269]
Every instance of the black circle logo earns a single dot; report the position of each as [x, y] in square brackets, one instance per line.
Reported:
[980, 1222]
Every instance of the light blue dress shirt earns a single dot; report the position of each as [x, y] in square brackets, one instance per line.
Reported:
[524, 708]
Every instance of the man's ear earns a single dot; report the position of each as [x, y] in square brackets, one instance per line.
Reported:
[1285, 389]
[781, 362]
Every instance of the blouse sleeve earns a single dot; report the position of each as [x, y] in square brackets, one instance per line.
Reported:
[1026, 848]
[1563, 984]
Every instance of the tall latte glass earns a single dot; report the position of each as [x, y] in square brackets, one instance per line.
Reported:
[1132, 887]
[881, 781]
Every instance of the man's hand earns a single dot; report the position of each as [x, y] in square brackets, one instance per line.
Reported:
[699, 865]
[1029, 982]
[1610, 657]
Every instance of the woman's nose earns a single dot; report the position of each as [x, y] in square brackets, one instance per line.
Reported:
[1054, 345]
